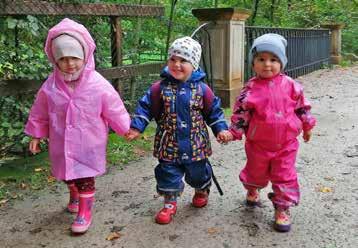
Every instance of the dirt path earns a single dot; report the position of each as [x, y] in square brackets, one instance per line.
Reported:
[126, 200]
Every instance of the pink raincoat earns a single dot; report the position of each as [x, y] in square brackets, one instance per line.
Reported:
[272, 113]
[76, 122]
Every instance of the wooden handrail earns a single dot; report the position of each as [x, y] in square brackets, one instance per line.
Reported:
[31, 7]
[24, 86]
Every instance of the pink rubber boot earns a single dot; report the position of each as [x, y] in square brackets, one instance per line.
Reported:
[84, 216]
[72, 205]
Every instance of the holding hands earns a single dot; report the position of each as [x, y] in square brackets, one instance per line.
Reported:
[132, 134]
[224, 137]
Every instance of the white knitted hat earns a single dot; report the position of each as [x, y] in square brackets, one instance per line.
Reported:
[66, 46]
[188, 49]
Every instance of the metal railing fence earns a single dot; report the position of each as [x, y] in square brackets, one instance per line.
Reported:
[307, 49]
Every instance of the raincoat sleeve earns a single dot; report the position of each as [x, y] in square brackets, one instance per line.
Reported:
[142, 115]
[37, 125]
[115, 113]
[213, 113]
[241, 115]
[303, 108]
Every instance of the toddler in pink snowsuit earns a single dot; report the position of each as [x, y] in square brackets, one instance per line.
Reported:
[271, 111]
[73, 110]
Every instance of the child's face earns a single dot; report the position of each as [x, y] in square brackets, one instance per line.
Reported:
[180, 68]
[266, 65]
[70, 65]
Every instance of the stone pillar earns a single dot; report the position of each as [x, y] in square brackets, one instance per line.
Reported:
[227, 32]
[336, 41]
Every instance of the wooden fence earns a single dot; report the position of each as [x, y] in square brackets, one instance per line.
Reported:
[114, 11]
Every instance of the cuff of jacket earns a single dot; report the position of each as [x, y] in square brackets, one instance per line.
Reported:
[219, 126]
[37, 132]
[236, 133]
[139, 125]
[309, 123]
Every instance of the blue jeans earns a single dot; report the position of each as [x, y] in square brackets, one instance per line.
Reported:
[169, 176]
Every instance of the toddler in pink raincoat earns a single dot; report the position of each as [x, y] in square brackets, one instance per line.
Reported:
[73, 110]
[271, 111]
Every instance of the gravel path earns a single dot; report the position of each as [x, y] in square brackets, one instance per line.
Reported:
[126, 201]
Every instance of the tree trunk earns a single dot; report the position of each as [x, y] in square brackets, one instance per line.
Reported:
[272, 10]
[136, 55]
[172, 7]
[254, 12]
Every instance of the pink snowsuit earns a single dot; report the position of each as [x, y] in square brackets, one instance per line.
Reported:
[272, 113]
[76, 122]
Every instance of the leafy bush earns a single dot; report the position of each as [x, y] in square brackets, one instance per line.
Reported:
[13, 115]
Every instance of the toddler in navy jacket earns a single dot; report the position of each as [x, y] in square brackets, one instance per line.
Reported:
[182, 105]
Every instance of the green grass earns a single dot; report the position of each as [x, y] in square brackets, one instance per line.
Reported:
[227, 112]
[19, 176]
[121, 152]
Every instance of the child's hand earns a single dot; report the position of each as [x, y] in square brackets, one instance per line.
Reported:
[34, 146]
[224, 136]
[307, 135]
[132, 134]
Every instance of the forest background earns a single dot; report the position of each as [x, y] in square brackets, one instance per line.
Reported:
[144, 40]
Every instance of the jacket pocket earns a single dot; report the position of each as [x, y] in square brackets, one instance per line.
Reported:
[294, 126]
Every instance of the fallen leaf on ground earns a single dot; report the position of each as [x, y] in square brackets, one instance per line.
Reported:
[3, 201]
[51, 179]
[325, 189]
[212, 230]
[36, 187]
[139, 152]
[113, 235]
[23, 185]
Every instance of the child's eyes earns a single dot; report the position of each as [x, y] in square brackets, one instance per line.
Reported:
[181, 60]
[271, 60]
[69, 58]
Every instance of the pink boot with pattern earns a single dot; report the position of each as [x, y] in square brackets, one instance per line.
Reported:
[84, 216]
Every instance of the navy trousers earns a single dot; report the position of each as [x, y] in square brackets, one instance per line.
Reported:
[169, 176]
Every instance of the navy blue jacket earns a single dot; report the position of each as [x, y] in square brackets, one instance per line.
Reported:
[181, 110]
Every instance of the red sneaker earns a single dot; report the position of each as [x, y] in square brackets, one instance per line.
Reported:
[165, 215]
[200, 198]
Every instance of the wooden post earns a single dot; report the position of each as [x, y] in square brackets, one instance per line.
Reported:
[116, 47]
[227, 42]
[336, 41]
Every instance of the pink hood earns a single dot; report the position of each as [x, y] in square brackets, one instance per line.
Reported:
[78, 31]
